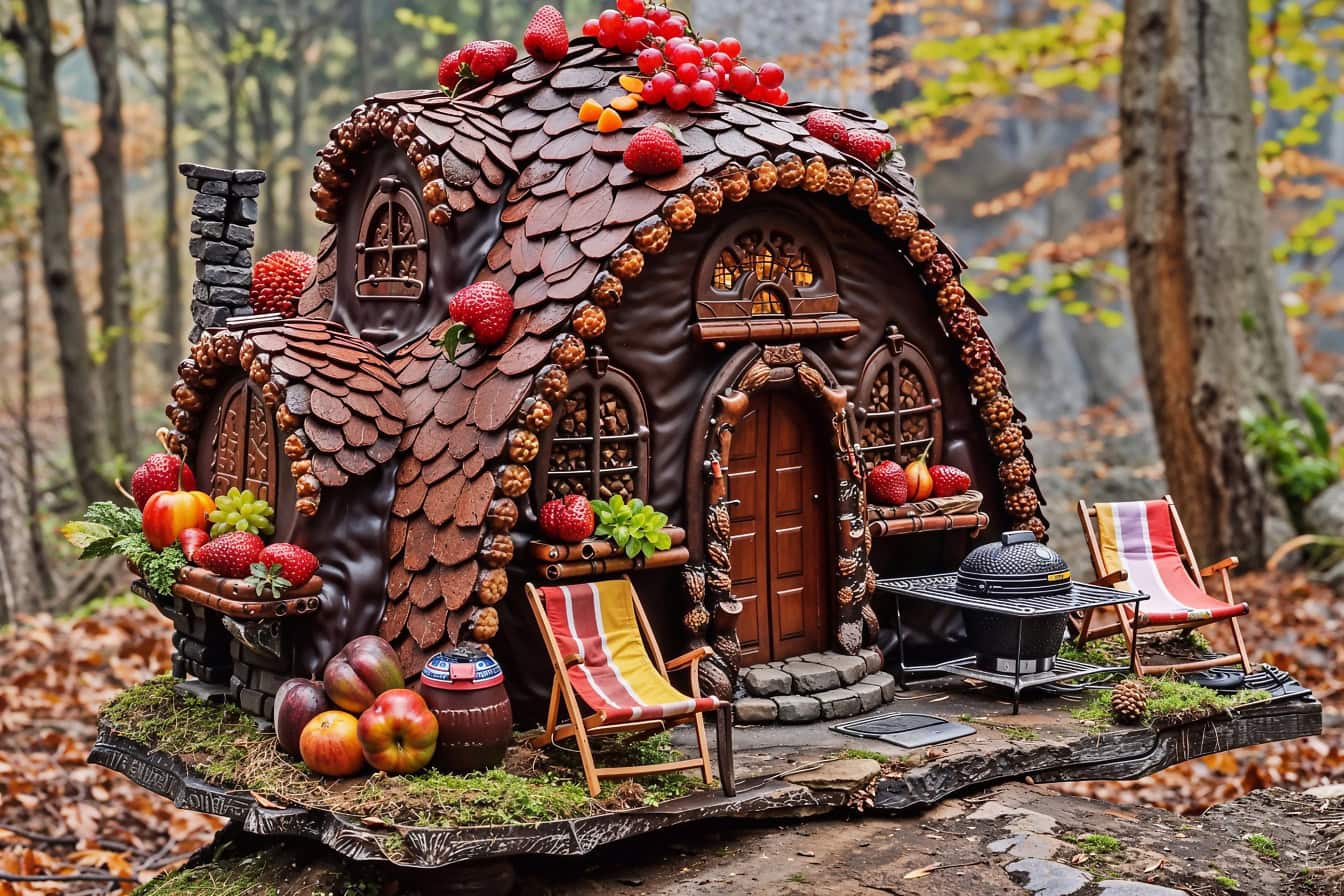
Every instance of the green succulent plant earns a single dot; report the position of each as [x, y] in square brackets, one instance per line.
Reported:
[635, 526]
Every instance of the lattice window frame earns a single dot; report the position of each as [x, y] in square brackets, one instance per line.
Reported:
[396, 199]
[793, 249]
[591, 386]
[889, 359]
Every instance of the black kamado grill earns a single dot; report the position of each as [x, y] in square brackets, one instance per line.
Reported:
[1015, 596]
[1017, 567]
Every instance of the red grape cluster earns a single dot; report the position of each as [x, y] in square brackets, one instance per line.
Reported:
[682, 68]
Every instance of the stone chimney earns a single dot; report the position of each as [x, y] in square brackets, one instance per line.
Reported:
[223, 213]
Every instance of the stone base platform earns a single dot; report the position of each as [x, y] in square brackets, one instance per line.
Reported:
[814, 686]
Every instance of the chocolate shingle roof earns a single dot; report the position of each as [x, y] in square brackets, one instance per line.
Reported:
[577, 224]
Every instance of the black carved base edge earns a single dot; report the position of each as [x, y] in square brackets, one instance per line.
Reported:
[416, 847]
[1119, 754]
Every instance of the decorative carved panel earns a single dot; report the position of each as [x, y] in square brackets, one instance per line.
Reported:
[245, 445]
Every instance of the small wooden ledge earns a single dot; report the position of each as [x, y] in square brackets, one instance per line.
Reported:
[939, 522]
[772, 328]
[238, 599]
[599, 556]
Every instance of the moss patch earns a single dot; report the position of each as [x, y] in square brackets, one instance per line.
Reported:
[277, 870]
[222, 745]
[853, 753]
[1262, 845]
[1172, 702]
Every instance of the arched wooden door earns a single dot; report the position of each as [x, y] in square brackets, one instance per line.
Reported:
[780, 533]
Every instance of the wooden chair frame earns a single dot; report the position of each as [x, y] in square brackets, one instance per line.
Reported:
[581, 727]
[1086, 631]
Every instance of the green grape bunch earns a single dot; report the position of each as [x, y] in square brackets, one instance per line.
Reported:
[242, 511]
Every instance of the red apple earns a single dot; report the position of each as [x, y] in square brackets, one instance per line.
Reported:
[298, 702]
[329, 744]
[398, 732]
[168, 514]
[364, 668]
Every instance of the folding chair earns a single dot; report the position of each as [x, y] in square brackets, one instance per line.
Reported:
[604, 654]
[1142, 546]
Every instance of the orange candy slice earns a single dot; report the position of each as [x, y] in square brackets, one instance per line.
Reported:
[627, 103]
[591, 110]
[609, 121]
[631, 83]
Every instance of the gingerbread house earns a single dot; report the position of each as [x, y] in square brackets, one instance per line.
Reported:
[735, 343]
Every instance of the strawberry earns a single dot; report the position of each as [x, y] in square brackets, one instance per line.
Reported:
[568, 520]
[450, 70]
[546, 36]
[278, 280]
[191, 540]
[886, 483]
[490, 59]
[948, 480]
[481, 313]
[827, 127]
[468, 53]
[159, 473]
[281, 567]
[231, 554]
[870, 147]
[654, 150]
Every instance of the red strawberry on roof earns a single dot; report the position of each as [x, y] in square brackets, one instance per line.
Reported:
[827, 127]
[450, 70]
[481, 313]
[871, 147]
[489, 59]
[654, 150]
[278, 280]
[546, 36]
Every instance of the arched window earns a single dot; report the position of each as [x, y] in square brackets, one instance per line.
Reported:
[239, 447]
[899, 392]
[598, 445]
[393, 251]
[767, 276]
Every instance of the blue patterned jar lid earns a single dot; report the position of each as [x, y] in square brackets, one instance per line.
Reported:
[465, 669]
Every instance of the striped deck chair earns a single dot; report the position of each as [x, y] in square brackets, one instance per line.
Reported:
[1142, 546]
[605, 655]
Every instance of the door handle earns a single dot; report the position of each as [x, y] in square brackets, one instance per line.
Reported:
[816, 496]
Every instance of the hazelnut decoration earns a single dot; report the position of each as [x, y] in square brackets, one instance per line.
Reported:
[764, 175]
[628, 262]
[568, 351]
[951, 297]
[883, 210]
[536, 412]
[679, 212]
[986, 383]
[964, 325]
[791, 170]
[1008, 442]
[816, 175]
[863, 192]
[707, 196]
[492, 586]
[998, 411]
[1035, 525]
[552, 383]
[515, 480]
[607, 289]
[904, 225]
[977, 353]
[734, 182]
[652, 235]
[839, 179]
[939, 269]
[923, 246]
[590, 321]
[502, 515]
[1022, 504]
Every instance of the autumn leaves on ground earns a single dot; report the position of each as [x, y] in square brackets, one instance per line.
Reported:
[61, 818]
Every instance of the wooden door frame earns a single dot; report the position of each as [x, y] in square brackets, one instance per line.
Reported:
[714, 611]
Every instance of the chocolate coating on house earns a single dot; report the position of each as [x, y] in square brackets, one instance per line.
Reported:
[736, 342]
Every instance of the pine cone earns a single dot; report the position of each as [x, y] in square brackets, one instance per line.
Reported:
[998, 411]
[923, 246]
[964, 325]
[1035, 525]
[1008, 442]
[951, 297]
[986, 383]
[1129, 701]
[1022, 505]
[839, 180]
[764, 175]
[1015, 474]
[707, 196]
[977, 353]
[939, 269]
[791, 170]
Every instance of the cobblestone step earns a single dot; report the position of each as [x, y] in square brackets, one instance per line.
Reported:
[841, 702]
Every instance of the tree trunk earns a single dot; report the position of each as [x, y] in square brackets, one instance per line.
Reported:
[84, 419]
[114, 279]
[359, 22]
[170, 321]
[264, 131]
[1210, 329]
[485, 22]
[37, 550]
[300, 176]
[232, 88]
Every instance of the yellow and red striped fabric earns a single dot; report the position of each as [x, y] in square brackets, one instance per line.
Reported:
[1138, 537]
[615, 676]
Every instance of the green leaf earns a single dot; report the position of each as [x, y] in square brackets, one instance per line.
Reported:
[617, 503]
[632, 549]
[659, 520]
[648, 550]
[91, 539]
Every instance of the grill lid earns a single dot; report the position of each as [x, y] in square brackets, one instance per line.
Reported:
[1016, 565]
